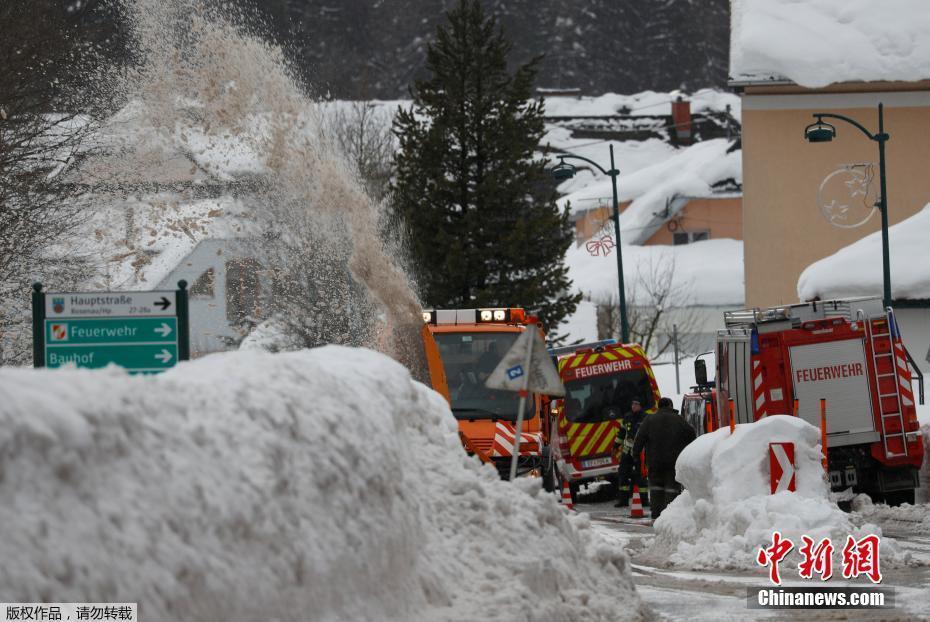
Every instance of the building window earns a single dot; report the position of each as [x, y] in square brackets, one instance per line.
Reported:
[687, 237]
[203, 286]
[243, 290]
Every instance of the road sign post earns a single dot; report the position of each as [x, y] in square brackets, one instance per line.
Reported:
[143, 332]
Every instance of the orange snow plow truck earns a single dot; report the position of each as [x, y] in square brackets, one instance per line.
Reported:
[463, 347]
[601, 381]
[784, 360]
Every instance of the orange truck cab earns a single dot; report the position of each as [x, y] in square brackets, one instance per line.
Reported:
[601, 381]
[463, 347]
[699, 408]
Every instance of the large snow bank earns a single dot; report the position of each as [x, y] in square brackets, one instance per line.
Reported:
[320, 484]
[856, 270]
[818, 42]
[689, 173]
[726, 512]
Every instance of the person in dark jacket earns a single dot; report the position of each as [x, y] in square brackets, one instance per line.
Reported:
[663, 435]
[628, 470]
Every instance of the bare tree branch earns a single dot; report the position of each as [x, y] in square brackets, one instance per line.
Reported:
[655, 304]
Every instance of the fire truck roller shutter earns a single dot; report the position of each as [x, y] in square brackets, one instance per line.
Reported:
[838, 372]
[739, 355]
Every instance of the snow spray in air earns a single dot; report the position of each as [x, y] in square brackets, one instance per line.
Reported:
[206, 81]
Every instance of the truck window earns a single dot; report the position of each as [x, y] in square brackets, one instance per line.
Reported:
[469, 358]
[602, 398]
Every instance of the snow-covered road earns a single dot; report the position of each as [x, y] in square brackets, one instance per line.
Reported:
[695, 595]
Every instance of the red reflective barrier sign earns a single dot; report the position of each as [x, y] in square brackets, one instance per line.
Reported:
[781, 467]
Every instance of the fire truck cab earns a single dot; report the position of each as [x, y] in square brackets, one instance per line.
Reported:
[468, 345]
[601, 380]
[785, 360]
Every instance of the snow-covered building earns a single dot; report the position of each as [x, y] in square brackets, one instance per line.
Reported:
[790, 59]
[856, 270]
[174, 205]
[230, 290]
[680, 208]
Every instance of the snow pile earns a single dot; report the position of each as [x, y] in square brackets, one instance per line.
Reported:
[689, 173]
[819, 42]
[323, 485]
[726, 512]
[856, 270]
[913, 518]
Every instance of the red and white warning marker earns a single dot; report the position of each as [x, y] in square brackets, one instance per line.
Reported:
[636, 505]
[781, 467]
[567, 495]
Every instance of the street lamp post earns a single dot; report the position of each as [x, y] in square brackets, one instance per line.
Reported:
[563, 171]
[821, 132]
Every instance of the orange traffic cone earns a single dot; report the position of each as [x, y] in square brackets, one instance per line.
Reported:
[636, 507]
[567, 495]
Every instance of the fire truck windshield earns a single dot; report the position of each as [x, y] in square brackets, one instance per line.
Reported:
[469, 358]
[602, 398]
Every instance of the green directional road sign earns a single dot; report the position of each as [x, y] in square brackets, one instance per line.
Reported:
[138, 358]
[118, 330]
[143, 332]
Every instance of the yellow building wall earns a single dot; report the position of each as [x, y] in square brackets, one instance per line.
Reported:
[783, 228]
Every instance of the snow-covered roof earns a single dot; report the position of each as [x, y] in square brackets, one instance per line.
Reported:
[644, 103]
[165, 229]
[856, 270]
[652, 190]
[708, 273]
[819, 42]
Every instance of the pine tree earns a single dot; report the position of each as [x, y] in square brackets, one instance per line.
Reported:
[480, 212]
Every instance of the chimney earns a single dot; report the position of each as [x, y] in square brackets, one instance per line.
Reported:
[681, 119]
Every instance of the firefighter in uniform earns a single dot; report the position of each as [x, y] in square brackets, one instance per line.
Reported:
[663, 435]
[629, 464]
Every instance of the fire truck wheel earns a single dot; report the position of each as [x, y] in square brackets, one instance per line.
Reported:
[573, 487]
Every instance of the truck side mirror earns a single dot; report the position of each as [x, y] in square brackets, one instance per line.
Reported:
[700, 372]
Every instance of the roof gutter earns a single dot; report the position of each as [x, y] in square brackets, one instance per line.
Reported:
[741, 83]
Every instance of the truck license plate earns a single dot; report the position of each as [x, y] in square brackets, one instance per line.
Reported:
[588, 464]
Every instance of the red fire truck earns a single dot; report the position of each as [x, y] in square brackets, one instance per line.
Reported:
[601, 380]
[784, 360]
